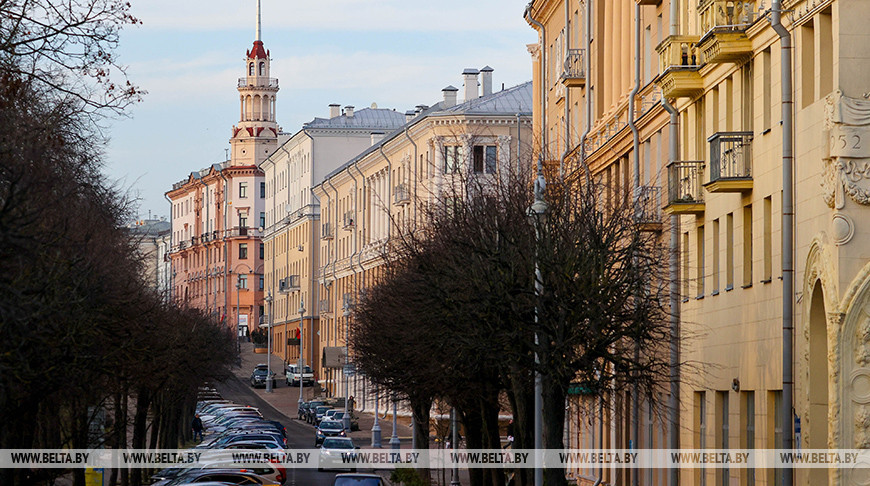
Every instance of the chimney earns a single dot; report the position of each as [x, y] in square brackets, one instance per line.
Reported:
[334, 110]
[420, 109]
[486, 80]
[470, 75]
[450, 96]
[409, 115]
[377, 137]
[348, 110]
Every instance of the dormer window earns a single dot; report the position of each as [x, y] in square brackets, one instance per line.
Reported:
[251, 69]
[262, 69]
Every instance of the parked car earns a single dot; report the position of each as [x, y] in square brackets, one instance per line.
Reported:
[294, 377]
[318, 413]
[331, 453]
[309, 411]
[357, 479]
[328, 428]
[232, 476]
[258, 376]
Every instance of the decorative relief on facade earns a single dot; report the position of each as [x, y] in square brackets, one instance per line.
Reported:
[843, 229]
[847, 151]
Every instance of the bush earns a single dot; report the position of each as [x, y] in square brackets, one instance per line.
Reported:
[407, 477]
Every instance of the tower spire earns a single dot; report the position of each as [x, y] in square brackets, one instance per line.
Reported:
[259, 15]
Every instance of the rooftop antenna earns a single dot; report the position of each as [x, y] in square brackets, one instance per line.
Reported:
[259, 15]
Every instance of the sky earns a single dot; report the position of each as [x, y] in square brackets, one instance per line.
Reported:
[189, 54]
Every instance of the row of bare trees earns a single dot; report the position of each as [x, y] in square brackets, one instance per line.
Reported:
[91, 356]
[456, 318]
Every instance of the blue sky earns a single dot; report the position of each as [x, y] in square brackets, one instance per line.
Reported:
[188, 55]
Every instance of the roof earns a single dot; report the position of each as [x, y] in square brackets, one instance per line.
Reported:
[258, 51]
[367, 118]
[511, 101]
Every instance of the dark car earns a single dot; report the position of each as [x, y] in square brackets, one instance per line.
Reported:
[309, 410]
[258, 376]
[319, 412]
[232, 476]
[328, 428]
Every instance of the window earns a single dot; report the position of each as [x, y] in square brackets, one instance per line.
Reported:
[807, 67]
[243, 189]
[261, 282]
[767, 98]
[776, 426]
[243, 281]
[262, 219]
[262, 190]
[768, 241]
[262, 251]
[251, 69]
[262, 69]
[729, 251]
[747, 246]
[748, 442]
[484, 159]
[699, 244]
[715, 256]
[243, 220]
[452, 158]
[685, 269]
[700, 435]
[243, 251]
[722, 432]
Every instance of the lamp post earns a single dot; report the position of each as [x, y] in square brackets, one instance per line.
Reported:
[346, 418]
[538, 214]
[376, 428]
[394, 439]
[238, 318]
[454, 473]
[268, 300]
[301, 366]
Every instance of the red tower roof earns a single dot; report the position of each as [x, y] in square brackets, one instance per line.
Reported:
[258, 52]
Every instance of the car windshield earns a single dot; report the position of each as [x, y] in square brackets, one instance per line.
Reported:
[322, 410]
[337, 444]
[357, 481]
[263, 371]
[331, 425]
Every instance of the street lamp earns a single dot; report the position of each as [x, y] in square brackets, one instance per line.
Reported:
[268, 300]
[376, 428]
[301, 365]
[538, 215]
[238, 319]
[394, 440]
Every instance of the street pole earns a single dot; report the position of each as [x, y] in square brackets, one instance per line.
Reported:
[538, 214]
[269, 343]
[376, 428]
[394, 439]
[238, 320]
[346, 365]
[454, 473]
[301, 366]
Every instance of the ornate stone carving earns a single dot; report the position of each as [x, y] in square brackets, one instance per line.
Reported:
[847, 151]
[843, 229]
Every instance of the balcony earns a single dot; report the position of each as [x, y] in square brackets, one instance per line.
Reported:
[289, 284]
[724, 23]
[326, 232]
[679, 61]
[324, 306]
[730, 162]
[347, 220]
[401, 195]
[257, 82]
[685, 194]
[264, 321]
[647, 209]
[574, 69]
[649, 2]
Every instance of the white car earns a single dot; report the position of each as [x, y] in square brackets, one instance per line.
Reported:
[293, 375]
[334, 452]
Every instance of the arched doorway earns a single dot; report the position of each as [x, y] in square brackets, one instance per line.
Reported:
[819, 373]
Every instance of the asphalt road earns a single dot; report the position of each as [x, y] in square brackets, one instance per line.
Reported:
[299, 435]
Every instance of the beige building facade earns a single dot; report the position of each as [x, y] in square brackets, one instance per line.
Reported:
[364, 202]
[292, 226]
[719, 64]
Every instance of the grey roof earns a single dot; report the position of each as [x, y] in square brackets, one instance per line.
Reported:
[367, 118]
[150, 227]
[511, 101]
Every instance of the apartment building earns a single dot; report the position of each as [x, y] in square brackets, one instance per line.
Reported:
[291, 222]
[720, 188]
[365, 201]
[217, 213]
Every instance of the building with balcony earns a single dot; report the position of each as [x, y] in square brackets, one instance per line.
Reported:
[720, 170]
[216, 213]
[376, 194]
[291, 222]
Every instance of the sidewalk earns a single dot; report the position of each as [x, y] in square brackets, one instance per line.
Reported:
[286, 400]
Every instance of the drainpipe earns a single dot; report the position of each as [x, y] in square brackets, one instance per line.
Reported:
[207, 253]
[335, 245]
[359, 259]
[567, 96]
[787, 233]
[528, 16]
[389, 190]
[414, 202]
[588, 112]
[171, 241]
[635, 393]
[226, 252]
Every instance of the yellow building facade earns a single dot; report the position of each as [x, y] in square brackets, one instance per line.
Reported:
[719, 64]
[378, 193]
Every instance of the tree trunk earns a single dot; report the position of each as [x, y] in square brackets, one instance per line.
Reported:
[522, 401]
[140, 422]
[554, 426]
[420, 408]
[473, 423]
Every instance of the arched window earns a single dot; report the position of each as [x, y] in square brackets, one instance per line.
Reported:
[251, 69]
[262, 69]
